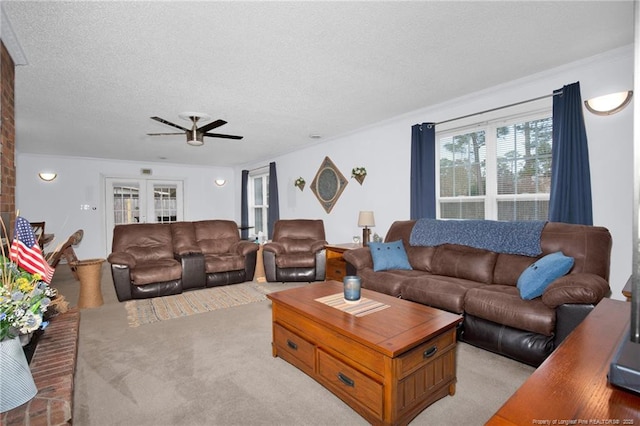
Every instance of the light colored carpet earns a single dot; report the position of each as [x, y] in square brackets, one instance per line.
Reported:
[148, 311]
[217, 368]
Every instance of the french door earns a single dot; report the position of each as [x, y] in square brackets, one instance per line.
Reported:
[142, 201]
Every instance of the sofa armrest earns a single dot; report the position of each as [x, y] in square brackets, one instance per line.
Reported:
[193, 270]
[318, 246]
[121, 281]
[576, 288]
[186, 250]
[274, 247]
[360, 258]
[122, 258]
[244, 247]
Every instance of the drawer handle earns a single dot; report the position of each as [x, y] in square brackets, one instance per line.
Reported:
[347, 381]
[292, 345]
[430, 352]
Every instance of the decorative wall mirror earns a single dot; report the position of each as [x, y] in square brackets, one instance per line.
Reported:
[328, 184]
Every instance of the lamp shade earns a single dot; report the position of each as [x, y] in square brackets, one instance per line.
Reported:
[365, 218]
[609, 104]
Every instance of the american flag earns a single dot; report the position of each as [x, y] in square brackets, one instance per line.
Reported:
[26, 252]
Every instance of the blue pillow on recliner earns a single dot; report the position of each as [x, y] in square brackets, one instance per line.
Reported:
[387, 256]
[537, 277]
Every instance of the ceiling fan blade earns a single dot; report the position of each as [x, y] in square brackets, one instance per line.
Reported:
[211, 126]
[164, 134]
[168, 123]
[219, 135]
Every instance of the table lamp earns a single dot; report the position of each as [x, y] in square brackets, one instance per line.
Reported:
[365, 220]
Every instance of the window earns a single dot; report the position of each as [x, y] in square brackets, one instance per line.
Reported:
[499, 170]
[258, 202]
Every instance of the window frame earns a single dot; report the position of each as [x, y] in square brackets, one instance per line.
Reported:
[490, 124]
[251, 202]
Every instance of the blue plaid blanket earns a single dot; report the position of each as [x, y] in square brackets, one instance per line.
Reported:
[518, 237]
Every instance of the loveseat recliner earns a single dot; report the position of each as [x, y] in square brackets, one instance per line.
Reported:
[481, 285]
[296, 251]
[160, 259]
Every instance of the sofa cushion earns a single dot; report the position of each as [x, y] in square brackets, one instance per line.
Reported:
[296, 260]
[223, 262]
[388, 256]
[438, 291]
[387, 282]
[160, 270]
[502, 304]
[535, 279]
[464, 262]
[509, 267]
[297, 245]
[420, 257]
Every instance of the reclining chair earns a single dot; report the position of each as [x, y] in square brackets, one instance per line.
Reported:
[296, 251]
[142, 261]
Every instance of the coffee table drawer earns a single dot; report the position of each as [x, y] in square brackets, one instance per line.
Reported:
[426, 353]
[293, 348]
[350, 384]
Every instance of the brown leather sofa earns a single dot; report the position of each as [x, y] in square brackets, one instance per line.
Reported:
[296, 251]
[481, 286]
[155, 259]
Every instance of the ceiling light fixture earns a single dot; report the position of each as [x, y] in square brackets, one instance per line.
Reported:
[47, 176]
[609, 104]
[195, 138]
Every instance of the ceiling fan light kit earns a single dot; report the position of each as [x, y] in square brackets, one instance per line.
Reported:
[195, 135]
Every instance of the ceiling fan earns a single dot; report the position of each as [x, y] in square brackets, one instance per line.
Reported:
[195, 135]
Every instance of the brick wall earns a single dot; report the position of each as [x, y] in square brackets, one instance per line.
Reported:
[7, 138]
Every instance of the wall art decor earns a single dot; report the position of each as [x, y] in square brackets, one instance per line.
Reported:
[359, 173]
[328, 184]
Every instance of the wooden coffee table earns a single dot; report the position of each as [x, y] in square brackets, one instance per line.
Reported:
[387, 365]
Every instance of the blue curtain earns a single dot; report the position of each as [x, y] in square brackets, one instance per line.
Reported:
[244, 206]
[273, 214]
[423, 171]
[570, 197]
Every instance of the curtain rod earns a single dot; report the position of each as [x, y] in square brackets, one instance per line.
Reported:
[557, 92]
[257, 168]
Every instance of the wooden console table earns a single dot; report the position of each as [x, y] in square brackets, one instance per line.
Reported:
[571, 386]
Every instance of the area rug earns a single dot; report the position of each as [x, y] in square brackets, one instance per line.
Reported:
[149, 311]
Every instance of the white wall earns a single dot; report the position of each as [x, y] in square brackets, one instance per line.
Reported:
[384, 149]
[81, 181]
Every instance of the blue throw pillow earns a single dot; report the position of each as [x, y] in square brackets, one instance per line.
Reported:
[535, 279]
[389, 256]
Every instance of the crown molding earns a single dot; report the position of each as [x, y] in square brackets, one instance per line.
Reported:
[10, 40]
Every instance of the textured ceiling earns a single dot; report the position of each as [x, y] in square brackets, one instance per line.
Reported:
[276, 71]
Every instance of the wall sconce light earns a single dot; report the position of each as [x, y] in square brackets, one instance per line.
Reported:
[609, 104]
[47, 176]
[220, 182]
[365, 220]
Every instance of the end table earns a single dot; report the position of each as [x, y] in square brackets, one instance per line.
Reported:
[336, 266]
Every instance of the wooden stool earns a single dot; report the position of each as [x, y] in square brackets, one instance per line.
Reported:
[89, 272]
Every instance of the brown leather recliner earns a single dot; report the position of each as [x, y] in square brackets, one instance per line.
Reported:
[227, 258]
[296, 251]
[142, 261]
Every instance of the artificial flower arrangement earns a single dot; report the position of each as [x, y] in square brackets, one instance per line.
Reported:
[358, 171]
[299, 183]
[359, 174]
[24, 298]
